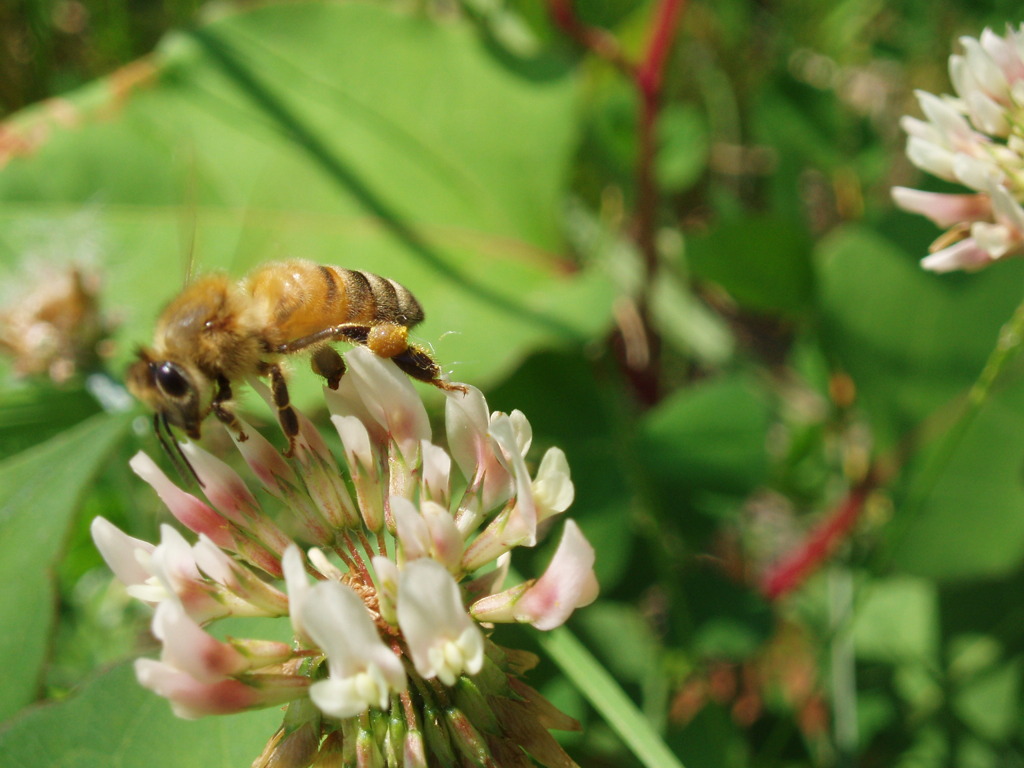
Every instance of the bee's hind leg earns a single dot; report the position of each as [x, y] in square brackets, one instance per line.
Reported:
[327, 362]
[420, 365]
[222, 412]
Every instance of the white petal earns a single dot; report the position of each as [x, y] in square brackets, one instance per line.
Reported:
[387, 577]
[297, 584]
[339, 623]
[523, 430]
[391, 399]
[553, 490]
[931, 158]
[995, 239]
[431, 616]
[437, 468]
[983, 69]
[1007, 210]
[120, 551]
[411, 527]
[988, 114]
[446, 543]
[978, 174]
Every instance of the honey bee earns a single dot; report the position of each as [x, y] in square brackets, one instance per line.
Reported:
[217, 332]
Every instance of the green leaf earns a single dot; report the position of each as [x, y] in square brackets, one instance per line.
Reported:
[708, 438]
[351, 134]
[40, 490]
[969, 524]
[115, 722]
[897, 620]
[683, 151]
[763, 262]
[910, 339]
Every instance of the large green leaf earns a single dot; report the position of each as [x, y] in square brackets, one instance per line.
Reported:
[116, 723]
[39, 492]
[351, 134]
[910, 339]
[970, 523]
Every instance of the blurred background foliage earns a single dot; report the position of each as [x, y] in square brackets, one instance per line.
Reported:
[810, 553]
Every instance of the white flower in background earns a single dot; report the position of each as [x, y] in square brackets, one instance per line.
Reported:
[392, 662]
[975, 138]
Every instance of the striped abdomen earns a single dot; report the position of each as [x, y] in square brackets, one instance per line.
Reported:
[295, 299]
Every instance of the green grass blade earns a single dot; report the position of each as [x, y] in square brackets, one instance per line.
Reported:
[601, 690]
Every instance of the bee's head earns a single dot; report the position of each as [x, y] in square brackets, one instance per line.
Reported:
[169, 389]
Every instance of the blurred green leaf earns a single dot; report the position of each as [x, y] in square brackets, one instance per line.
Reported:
[989, 702]
[351, 133]
[897, 621]
[113, 721]
[763, 262]
[684, 145]
[710, 437]
[910, 339]
[30, 414]
[970, 523]
[40, 490]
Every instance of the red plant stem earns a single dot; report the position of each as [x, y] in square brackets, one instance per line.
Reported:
[650, 73]
[795, 567]
[598, 41]
[647, 77]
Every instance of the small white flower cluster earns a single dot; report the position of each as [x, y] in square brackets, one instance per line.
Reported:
[411, 548]
[975, 138]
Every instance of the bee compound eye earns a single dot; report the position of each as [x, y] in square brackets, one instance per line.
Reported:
[172, 380]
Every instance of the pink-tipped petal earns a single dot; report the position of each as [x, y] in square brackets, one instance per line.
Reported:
[264, 460]
[188, 648]
[966, 255]
[191, 699]
[945, 210]
[190, 511]
[569, 583]
[222, 486]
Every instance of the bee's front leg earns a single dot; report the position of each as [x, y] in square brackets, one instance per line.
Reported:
[221, 410]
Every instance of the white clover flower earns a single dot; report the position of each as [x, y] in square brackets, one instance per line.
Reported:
[394, 595]
[975, 139]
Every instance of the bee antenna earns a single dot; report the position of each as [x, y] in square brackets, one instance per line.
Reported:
[173, 449]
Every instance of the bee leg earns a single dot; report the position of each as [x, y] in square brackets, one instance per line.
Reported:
[327, 362]
[222, 412]
[350, 332]
[420, 365]
[285, 413]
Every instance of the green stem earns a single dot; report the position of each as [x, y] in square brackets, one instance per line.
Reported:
[1011, 338]
[608, 698]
